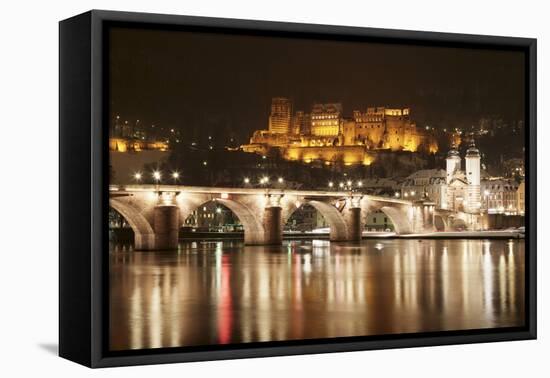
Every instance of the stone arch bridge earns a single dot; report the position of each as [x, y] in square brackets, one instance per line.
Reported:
[156, 212]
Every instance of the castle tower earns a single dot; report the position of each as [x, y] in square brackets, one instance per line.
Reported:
[453, 163]
[280, 117]
[473, 175]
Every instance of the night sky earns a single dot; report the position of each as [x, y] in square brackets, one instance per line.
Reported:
[202, 82]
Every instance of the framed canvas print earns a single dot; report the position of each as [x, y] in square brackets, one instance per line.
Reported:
[233, 188]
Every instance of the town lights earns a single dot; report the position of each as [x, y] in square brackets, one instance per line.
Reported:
[397, 194]
[349, 182]
[246, 180]
[175, 175]
[360, 183]
[280, 180]
[341, 185]
[137, 176]
[330, 184]
[218, 210]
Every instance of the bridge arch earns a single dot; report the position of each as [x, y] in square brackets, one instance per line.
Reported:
[399, 218]
[254, 231]
[144, 235]
[334, 218]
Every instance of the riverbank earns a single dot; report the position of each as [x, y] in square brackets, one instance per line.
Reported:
[125, 235]
[494, 234]
[240, 235]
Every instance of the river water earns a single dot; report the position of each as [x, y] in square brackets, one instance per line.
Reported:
[224, 292]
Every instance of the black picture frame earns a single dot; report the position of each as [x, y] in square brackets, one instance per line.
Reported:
[83, 195]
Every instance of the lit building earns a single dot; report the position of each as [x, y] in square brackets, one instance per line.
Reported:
[325, 135]
[426, 184]
[473, 177]
[214, 218]
[452, 188]
[521, 198]
[280, 117]
[500, 196]
[453, 163]
[136, 145]
[306, 218]
[463, 187]
[389, 128]
[326, 120]
[378, 221]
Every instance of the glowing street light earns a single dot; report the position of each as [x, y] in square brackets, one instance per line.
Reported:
[341, 185]
[246, 180]
[349, 183]
[218, 210]
[330, 184]
[280, 180]
[397, 194]
[175, 176]
[156, 176]
[360, 183]
[137, 176]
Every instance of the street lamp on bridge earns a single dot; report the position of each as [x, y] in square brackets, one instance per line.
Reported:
[175, 176]
[157, 176]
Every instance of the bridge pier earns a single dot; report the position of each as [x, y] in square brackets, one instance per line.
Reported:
[273, 226]
[355, 229]
[166, 227]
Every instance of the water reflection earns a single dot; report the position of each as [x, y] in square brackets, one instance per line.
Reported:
[223, 292]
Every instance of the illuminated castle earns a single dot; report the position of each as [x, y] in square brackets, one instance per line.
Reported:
[326, 135]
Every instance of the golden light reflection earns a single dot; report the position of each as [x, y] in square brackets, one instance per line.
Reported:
[216, 293]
